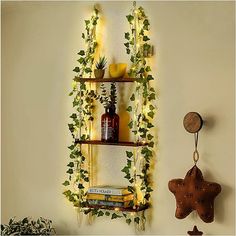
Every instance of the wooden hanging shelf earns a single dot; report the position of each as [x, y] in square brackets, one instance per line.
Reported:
[130, 209]
[98, 142]
[104, 80]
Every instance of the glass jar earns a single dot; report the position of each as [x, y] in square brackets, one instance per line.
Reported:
[110, 125]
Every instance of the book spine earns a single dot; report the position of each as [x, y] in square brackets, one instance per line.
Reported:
[110, 198]
[105, 203]
[105, 191]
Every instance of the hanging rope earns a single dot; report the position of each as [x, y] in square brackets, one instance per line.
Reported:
[195, 153]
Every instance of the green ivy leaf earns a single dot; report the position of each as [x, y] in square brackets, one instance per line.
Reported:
[67, 193]
[132, 98]
[145, 27]
[146, 22]
[87, 22]
[141, 32]
[151, 107]
[129, 154]
[152, 96]
[136, 220]
[149, 136]
[127, 176]
[71, 164]
[70, 171]
[126, 44]
[77, 69]
[151, 114]
[141, 70]
[81, 53]
[71, 147]
[80, 186]
[149, 77]
[131, 180]
[87, 70]
[73, 116]
[107, 213]
[149, 189]
[83, 137]
[129, 109]
[86, 179]
[127, 50]
[128, 221]
[145, 38]
[147, 196]
[114, 216]
[86, 211]
[151, 144]
[132, 58]
[130, 125]
[96, 10]
[129, 162]
[127, 36]
[125, 169]
[148, 68]
[66, 183]
[150, 125]
[94, 211]
[100, 213]
[129, 18]
[81, 60]
[72, 156]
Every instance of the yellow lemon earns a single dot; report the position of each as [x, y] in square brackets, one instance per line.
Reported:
[117, 70]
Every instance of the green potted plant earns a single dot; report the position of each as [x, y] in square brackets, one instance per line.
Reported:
[100, 67]
[27, 226]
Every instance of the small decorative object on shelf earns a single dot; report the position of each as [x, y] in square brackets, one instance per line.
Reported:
[193, 192]
[110, 125]
[195, 231]
[100, 68]
[117, 70]
[109, 120]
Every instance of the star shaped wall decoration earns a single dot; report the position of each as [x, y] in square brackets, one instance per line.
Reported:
[194, 193]
[195, 231]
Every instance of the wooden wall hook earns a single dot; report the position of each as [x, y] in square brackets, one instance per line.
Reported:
[192, 122]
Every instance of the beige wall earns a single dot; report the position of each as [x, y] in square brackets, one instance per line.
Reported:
[194, 71]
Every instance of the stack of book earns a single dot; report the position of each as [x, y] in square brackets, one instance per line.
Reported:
[109, 196]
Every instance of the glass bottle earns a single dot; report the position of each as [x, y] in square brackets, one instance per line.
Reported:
[110, 125]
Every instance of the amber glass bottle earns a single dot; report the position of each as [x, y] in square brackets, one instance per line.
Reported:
[110, 125]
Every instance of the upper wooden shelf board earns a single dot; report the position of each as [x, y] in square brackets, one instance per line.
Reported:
[119, 208]
[104, 80]
[98, 142]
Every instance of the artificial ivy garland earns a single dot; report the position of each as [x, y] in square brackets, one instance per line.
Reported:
[142, 108]
[138, 161]
[78, 173]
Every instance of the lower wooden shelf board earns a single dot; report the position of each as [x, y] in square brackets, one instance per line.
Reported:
[130, 209]
[120, 143]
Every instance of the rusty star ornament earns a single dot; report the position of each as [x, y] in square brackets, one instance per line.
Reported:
[194, 193]
[195, 231]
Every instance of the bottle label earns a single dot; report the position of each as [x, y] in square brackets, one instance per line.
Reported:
[107, 129]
